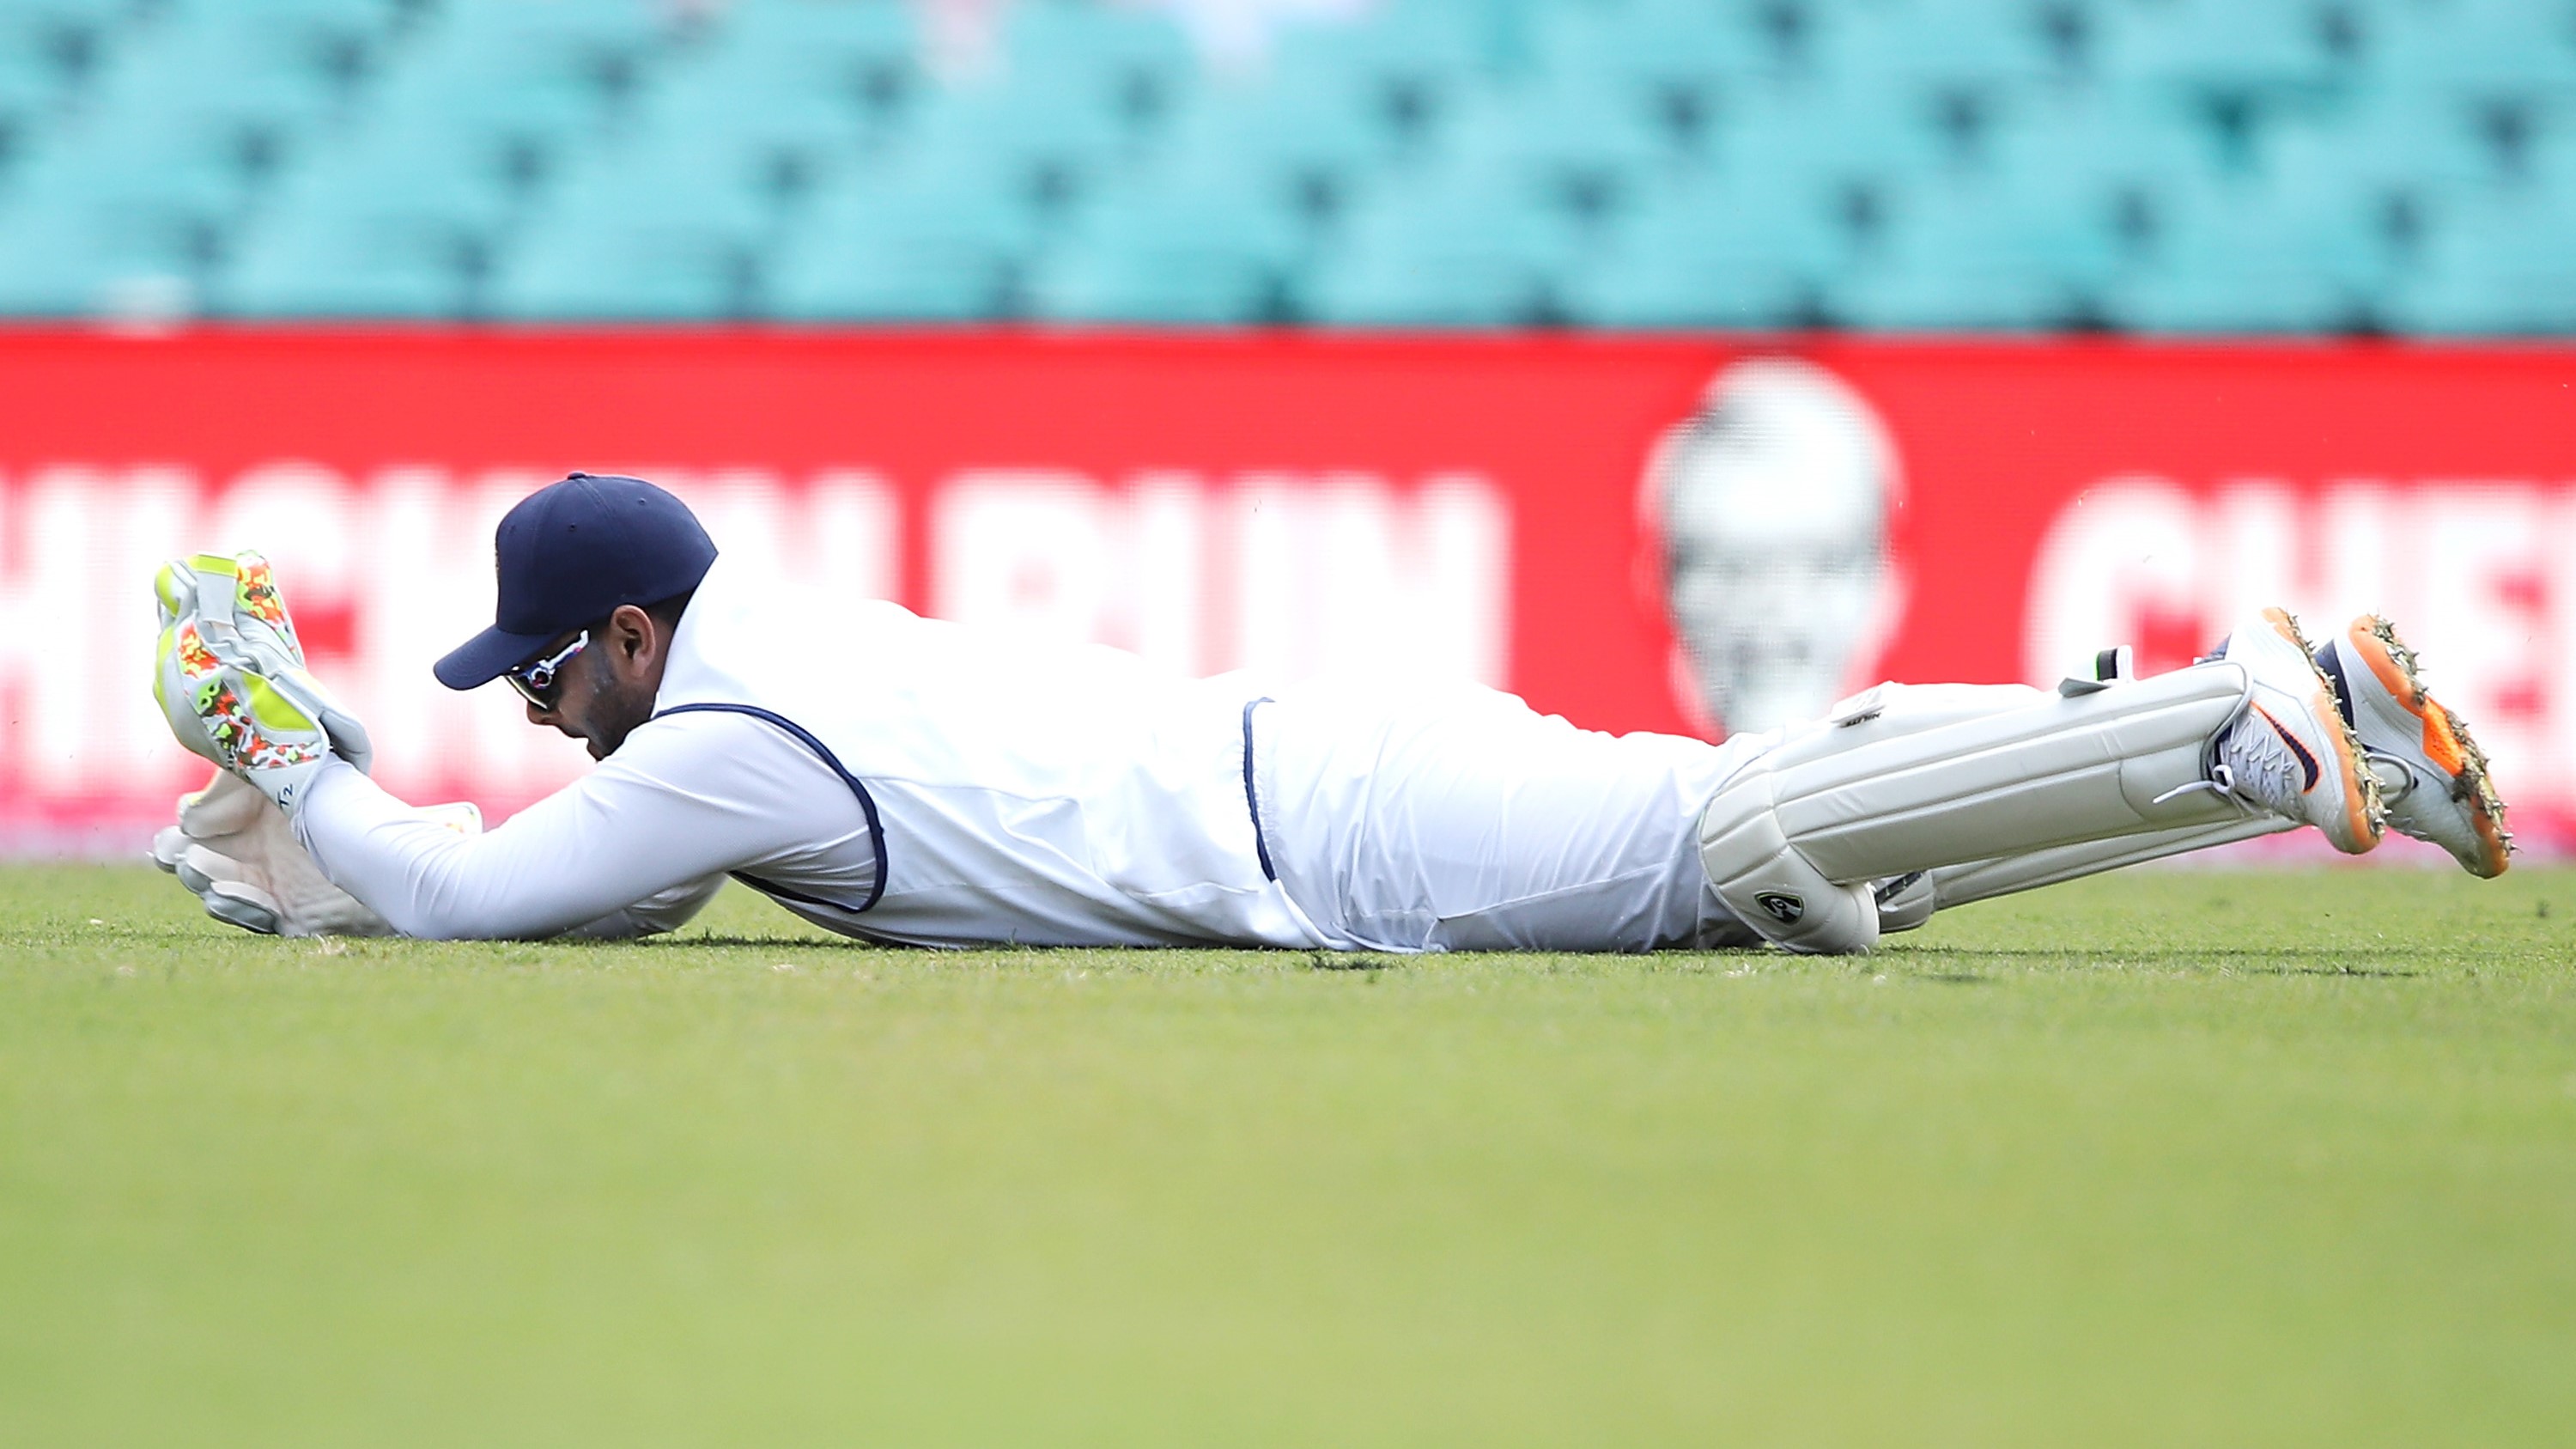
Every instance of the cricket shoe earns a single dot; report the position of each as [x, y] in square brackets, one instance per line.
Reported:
[2431, 774]
[2292, 752]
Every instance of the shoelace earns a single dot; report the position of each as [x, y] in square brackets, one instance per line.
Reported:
[2261, 767]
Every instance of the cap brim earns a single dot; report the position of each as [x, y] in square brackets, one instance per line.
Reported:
[486, 657]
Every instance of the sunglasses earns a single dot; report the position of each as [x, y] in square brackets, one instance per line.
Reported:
[537, 682]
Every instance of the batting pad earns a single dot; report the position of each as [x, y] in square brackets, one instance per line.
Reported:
[1956, 885]
[1906, 778]
[1912, 903]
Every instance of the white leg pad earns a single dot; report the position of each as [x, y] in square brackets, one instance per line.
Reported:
[1912, 778]
[1956, 885]
[1913, 903]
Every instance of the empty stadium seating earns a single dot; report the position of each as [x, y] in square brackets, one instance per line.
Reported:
[2158, 166]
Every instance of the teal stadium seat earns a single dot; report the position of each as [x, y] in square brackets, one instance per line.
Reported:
[583, 33]
[2392, 165]
[1964, 69]
[123, 159]
[1943, 44]
[364, 24]
[833, 35]
[1840, 146]
[1402, 70]
[1322, 144]
[85, 262]
[2472, 50]
[862, 53]
[2089, 138]
[642, 271]
[1470, 246]
[2240, 258]
[38, 71]
[1979, 252]
[2498, 263]
[416, 171]
[909, 241]
[216, 78]
[1702, 254]
[1436, 42]
[400, 217]
[2387, 140]
[358, 263]
[110, 201]
[804, 128]
[2499, 259]
[49, 51]
[1047, 137]
[2119, 169]
[1583, 144]
[55, 29]
[544, 68]
[658, 225]
[97, 12]
[796, 135]
[1680, 53]
[2268, 50]
[550, 75]
[1178, 246]
[1137, 50]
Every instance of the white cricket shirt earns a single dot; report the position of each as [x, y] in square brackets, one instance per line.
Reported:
[886, 776]
[636, 845]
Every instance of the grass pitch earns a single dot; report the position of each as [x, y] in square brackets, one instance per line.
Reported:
[2166, 1158]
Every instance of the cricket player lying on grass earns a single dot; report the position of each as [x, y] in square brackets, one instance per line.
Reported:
[905, 780]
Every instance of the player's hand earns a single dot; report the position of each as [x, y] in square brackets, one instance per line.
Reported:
[230, 677]
[235, 850]
[233, 847]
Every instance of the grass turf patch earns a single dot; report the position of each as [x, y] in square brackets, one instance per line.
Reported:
[2168, 1157]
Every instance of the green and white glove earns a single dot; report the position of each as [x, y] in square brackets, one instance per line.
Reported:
[235, 850]
[230, 678]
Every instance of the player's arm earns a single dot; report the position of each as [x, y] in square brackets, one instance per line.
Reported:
[637, 844]
[662, 911]
[233, 849]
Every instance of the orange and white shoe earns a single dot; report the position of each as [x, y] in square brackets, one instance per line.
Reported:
[2292, 752]
[2432, 775]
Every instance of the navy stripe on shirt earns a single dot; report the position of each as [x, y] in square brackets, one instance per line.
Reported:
[868, 806]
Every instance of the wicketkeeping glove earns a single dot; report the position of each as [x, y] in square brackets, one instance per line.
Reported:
[233, 847]
[230, 677]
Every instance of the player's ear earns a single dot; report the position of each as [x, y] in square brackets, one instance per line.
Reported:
[633, 638]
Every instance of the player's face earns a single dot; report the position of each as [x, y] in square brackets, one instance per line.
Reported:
[565, 702]
[602, 692]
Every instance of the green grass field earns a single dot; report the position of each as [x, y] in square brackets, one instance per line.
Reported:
[2173, 1158]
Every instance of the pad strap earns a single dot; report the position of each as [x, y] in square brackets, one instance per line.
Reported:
[1913, 902]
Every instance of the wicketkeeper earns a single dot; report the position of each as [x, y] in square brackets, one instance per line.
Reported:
[906, 780]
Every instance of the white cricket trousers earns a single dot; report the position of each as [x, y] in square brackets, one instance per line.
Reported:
[1455, 817]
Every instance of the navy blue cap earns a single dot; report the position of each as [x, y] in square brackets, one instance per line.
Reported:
[568, 555]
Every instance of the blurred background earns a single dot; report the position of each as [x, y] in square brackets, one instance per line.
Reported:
[2148, 166]
[1681, 364]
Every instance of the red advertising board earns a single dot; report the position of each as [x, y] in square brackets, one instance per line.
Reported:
[1534, 511]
